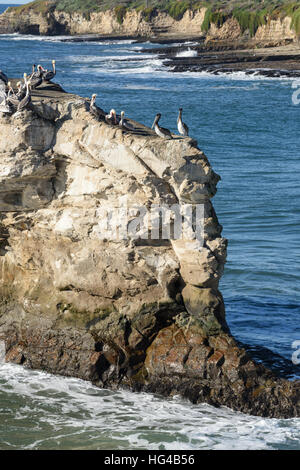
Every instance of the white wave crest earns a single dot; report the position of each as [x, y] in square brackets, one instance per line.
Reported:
[31, 37]
[104, 58]
[187, 53]
[236, 76]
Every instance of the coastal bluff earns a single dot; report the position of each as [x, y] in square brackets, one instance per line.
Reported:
[44, 18]
[137, 313]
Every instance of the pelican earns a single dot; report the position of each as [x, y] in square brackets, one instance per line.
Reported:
[27, 99]
[181, 126]
[10, 88]
[12, 97]
[111, 118]
[21, 91]
[37, 77]
[49, 74]
[124, 123]
[94, 110]
[161, 131]
[3, 77]
[33, 71]
[4, 105]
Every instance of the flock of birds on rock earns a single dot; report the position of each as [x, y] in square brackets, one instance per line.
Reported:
[115, 120]
[17, 100]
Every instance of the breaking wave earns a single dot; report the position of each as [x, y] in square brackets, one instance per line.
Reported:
[54, 412]
[187, 53]
[67, 39]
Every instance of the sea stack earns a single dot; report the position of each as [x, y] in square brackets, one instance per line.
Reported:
[140, 313]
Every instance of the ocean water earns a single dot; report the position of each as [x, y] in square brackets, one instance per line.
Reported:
[249, 129]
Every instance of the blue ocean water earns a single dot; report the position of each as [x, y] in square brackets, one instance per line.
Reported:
[249, 129]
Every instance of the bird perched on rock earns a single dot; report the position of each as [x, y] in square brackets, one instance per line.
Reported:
[12, 97]
[124, 123]
[111, 118]
[161, 131]
[98, 113]
[4, 105]
[181, 126]
[49, 74]
[36, 78]
[27, 99]
[21, 91]
[32, 71]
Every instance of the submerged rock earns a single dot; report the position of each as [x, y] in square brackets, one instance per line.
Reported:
[134, 312]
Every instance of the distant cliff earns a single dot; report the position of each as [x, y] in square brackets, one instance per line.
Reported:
[136, 312]
[49, 18]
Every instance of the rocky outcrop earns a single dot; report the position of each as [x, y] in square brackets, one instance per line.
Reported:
[133, 312]
[135, 24]
[274, 32]
[31, 22]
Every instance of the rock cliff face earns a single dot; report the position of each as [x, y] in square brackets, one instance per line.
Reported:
[275, 31]
[134, 24]
[139, 313]
[106, 23]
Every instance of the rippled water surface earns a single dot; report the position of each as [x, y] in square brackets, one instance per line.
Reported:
[249, 129]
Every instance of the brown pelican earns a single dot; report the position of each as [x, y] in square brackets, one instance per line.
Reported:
[33, 71]
[27, 99]
[181, 126]
[124, 123]
[3, 77]
[21, 91]
[4, 105]
[22, 86]
[12, 97]
[161, 131]
[49, 74]
[111, 118]
[94, 110]
[37, 77]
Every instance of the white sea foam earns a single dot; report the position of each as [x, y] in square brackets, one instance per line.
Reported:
[116, 58]
[181, 44]
[69, 413]
[140, 68]
[240, 76]
[134, 86]
[152, 65]
[31, 37]
[187, 53]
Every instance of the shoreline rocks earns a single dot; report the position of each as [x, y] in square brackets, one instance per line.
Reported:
[281, 61]
[138, 313]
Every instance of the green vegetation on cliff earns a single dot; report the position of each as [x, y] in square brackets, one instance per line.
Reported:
[249, 14]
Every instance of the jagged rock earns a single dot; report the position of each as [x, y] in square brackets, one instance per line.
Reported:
[137, 312]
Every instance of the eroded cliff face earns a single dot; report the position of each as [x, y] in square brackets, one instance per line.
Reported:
[102, 23]
[145, 314]
[275, 31]
[135, 24]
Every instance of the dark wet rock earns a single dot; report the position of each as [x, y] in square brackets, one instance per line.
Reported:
[221, 58]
